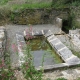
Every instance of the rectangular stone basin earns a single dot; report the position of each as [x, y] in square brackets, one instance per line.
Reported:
[42, 52]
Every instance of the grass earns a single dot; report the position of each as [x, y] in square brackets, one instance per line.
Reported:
[31, 6]
[3, 2]
[64, 4]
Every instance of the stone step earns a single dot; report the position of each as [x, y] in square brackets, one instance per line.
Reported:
[65, 53]
[51, 37]
[53, 42]
[59, 46]
[72, 59]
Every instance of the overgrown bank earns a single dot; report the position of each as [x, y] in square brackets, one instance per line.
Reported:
[41, 13]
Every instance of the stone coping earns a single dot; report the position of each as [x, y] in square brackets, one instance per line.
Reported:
[67, 56]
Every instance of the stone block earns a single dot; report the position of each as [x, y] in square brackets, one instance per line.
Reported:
[65, 53]
[49, 33]
[37, 33]
[59, 46]
[51, 37]
[59, 22]
[45, 31]
[72, 59]
[54, 41]
[21, 46]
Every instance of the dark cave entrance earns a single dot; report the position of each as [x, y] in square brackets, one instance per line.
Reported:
[65, 26]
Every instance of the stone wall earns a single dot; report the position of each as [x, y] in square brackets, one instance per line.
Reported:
[2, 42]
[38, 16]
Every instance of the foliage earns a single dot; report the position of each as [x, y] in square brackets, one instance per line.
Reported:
[31, 6]
[2, 2]
[65, 3]
[6, 74]
[78, 78]
[61, 78]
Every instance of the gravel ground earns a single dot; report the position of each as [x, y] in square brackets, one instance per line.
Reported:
[11, 34]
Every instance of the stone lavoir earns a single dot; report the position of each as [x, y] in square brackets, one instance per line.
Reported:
[60, 49]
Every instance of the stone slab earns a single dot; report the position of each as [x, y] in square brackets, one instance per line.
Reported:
[37, 33]
[38, 56]
[65, 53]
[59, 46]
[49, 33]
[21, 44]
[54, 41]
[45, 31]
[72, 59]
[51, 37]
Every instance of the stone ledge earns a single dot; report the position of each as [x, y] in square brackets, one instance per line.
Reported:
[57, 66]
[21, 43]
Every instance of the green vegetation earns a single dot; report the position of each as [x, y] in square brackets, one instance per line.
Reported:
[3, 2]
[78, 78]
[65, 3]
[61, 79]
[31, 6]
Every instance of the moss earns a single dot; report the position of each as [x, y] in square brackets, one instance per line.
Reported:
[77, 24]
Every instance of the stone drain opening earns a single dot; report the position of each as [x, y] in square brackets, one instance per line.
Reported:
[65, 25]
